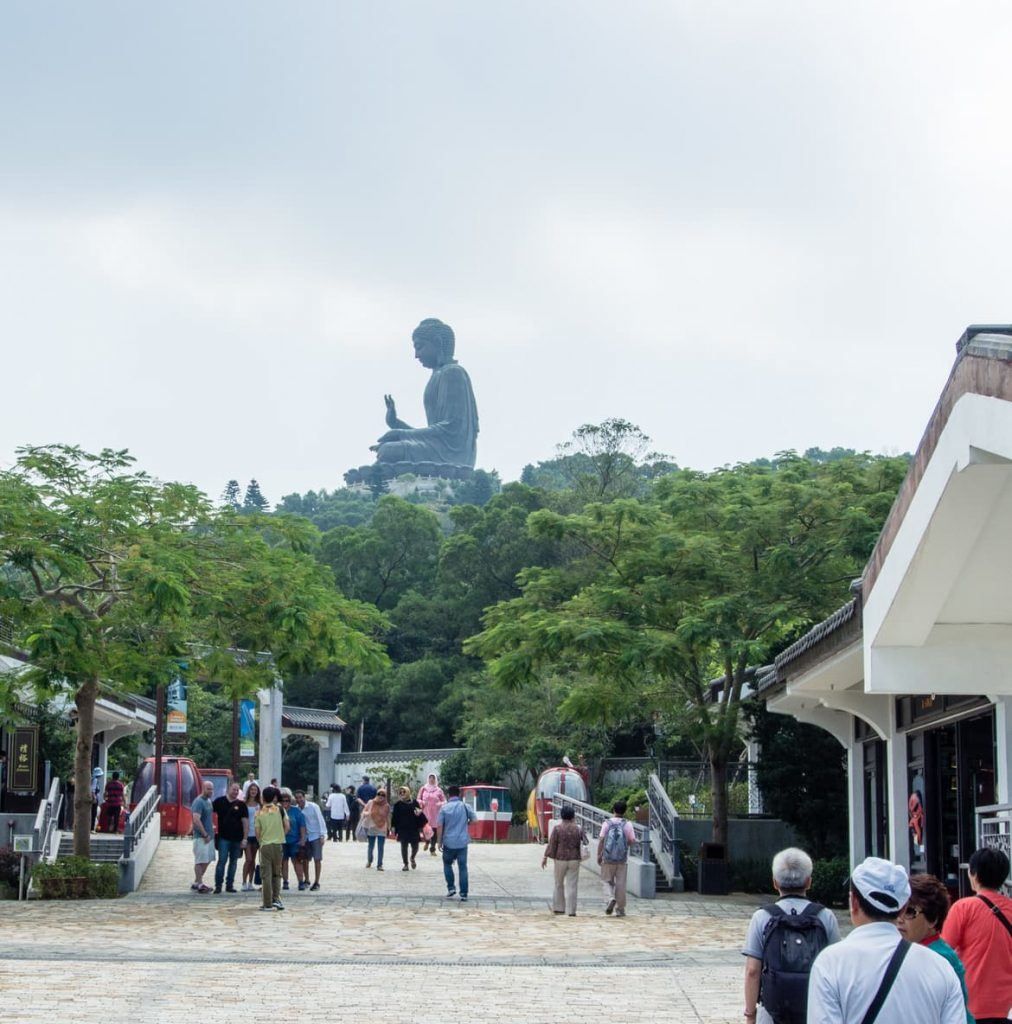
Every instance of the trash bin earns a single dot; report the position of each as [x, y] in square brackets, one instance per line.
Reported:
[712, 869]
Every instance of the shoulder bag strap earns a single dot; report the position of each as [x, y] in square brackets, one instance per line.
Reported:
[892, 969]
[997, 913]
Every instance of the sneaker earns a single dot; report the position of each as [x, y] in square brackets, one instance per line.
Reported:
[463, 899]
[278, 905]
[368, 864]
[314, 887]
[413, 864]
[195, 887]
[203, 889]
[405, 868]
[611, 906]
[620, 913]
[432, 853]
[451, 894]
[268, 908]
[379, 867]
[302, 886]
[231, 888]
[217, 890]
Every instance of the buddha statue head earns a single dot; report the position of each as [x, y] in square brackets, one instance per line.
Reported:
[434, 343]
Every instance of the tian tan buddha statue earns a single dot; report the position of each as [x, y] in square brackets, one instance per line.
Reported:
[447, 446]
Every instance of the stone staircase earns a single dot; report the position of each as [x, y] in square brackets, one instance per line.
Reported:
[104, 849]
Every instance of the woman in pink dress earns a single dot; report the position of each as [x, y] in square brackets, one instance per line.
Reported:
[431, 797]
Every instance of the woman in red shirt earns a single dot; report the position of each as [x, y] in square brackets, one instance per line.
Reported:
[979, 929]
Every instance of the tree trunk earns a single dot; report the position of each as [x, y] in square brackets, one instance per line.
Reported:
[85, 699]
[718, 797]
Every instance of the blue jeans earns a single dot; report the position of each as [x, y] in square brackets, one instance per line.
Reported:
[376, 841]
[460, 856]
[230, 850]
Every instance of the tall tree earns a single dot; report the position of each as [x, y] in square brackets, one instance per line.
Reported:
[253, 500]
[113, 577]
[395, 552]
[672, 601]
[230, 496]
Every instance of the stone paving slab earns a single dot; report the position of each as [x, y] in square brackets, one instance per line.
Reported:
[369, 945]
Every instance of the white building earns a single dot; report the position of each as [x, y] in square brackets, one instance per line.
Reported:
[914, 675]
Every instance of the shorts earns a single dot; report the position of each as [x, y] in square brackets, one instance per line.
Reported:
[203, 850]
[291, 851]
[252, 843]
[314, 849]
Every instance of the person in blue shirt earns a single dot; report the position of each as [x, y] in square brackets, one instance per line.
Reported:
[451, 830]
[295, 841]
[365, 792]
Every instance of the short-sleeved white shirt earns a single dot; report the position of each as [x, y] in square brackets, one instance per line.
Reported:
[757, 929]
[337, 806]
[846, 976]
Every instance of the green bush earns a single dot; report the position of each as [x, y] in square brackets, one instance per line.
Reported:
[9, 866]
[59, 879]
[690, 865]
[751, 875]
[829, 878]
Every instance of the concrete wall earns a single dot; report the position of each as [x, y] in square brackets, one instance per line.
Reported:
[131, 870]
[748, 838]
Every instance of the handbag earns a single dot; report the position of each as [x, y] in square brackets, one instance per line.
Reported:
[362, 829]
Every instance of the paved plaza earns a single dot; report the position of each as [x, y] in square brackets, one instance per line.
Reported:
[373, 947]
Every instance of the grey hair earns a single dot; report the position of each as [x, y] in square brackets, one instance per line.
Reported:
[792, 869]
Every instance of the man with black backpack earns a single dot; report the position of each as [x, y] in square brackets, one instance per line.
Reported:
[782, 943]
[874, 974]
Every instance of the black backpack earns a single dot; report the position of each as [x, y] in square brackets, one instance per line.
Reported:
[790, 946]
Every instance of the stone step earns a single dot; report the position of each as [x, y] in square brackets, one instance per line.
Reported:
[104, 849]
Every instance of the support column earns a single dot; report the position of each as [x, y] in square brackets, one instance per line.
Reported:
[896, 772]
[855, 801]
[325, 764]
[1003, 749]
[269, 766]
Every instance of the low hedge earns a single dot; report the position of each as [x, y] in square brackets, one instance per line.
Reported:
[73, 878]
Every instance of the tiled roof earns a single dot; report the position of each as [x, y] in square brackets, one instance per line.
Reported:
[317, 719]
[831, 632]
[395, 756]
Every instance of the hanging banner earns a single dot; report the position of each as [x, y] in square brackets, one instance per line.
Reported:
[24, 768]
[175, 708]
[247, 730]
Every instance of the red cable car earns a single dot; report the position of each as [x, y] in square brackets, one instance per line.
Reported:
[494, 811]
[563, 781]
[181, 785]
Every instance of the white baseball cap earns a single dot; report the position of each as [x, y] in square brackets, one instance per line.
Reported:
[883, 884]
[96, 772]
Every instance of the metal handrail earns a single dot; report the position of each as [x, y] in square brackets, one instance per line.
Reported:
[46, 818]
[591, 818]
[663, 827]
[140, 818]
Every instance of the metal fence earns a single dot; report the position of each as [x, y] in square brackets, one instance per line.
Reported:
[994, 829]
[140, 818]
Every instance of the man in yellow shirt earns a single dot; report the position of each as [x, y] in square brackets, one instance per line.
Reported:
[270, 825]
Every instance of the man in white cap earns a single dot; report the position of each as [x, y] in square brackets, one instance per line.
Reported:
[874, 975]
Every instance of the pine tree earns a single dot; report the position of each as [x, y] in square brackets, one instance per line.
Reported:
[254, 501]
[230, 496]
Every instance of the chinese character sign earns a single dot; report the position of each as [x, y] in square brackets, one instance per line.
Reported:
[247, 729]
[24, 767]
[175, 703]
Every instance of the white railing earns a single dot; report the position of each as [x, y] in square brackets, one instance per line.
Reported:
[664, 832]
[994, 829]
[46, 820]
[140, 817]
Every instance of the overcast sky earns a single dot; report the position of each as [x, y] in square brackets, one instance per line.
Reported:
[744, 226]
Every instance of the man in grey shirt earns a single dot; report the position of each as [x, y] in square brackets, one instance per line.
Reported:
[203, 837]
[792, 877]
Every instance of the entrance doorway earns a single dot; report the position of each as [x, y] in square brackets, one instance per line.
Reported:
[952, 772]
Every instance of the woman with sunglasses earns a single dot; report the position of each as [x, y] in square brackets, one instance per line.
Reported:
[921, 921]
[407, 819]
[377, 812]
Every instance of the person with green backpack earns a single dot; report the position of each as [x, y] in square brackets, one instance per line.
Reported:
[617, 835]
